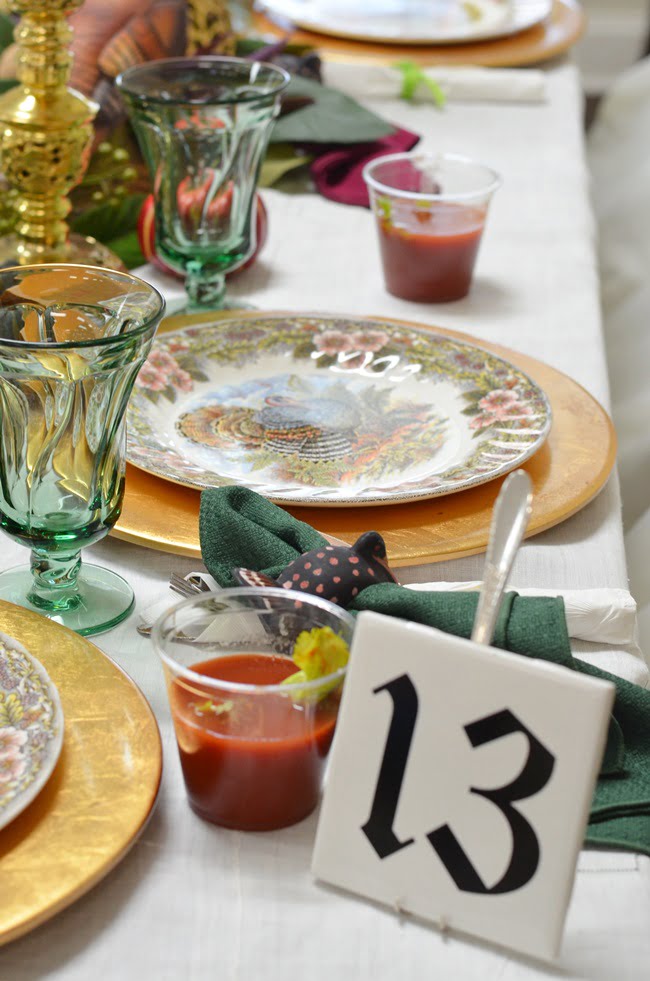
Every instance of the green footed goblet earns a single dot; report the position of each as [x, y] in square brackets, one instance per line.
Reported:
[72, 340]
[203, 124]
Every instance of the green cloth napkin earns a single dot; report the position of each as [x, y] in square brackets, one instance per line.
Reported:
[240, 528]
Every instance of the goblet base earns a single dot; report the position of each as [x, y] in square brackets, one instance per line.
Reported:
[105, 599]
[81, 250]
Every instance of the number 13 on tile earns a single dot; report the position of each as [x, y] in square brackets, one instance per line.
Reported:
[460, 782]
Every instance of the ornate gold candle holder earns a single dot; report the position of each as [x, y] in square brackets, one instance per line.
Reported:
[45, 139]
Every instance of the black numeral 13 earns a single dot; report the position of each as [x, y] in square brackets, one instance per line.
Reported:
[534, 775]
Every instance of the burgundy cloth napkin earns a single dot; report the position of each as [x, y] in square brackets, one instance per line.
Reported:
[337, 172]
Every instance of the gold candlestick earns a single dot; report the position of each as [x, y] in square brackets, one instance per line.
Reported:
[45, 139]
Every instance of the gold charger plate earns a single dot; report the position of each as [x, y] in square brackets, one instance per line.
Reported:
[487, 20]
[555, 35]
[101, 791]
[567, 473]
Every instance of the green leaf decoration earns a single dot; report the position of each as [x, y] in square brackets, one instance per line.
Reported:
[6, 33]
[110, 221]
[332, 117]
[247, 45]
[385, 207]
[413, 76]
[281, 158]
[127, 248]
[197, 375]
[410, 79]
[11, 711]
[303, 350]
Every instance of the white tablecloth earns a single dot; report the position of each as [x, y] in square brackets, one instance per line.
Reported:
[194, 901]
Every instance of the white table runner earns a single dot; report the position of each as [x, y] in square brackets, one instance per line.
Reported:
[196, 902]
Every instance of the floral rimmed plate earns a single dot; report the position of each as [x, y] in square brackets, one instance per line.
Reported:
[413, 21]
[31, 728]
[330, 410]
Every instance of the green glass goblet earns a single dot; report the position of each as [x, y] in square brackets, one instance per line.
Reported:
[72, 340]
[203, 125]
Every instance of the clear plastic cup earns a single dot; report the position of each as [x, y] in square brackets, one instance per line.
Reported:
[431, 211]
[252, 749]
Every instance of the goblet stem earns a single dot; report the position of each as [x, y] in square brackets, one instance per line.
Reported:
[54, 585]
[205, 288]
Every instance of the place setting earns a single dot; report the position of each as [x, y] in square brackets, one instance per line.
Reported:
[319, 394]
[352, 731]
[327, 411]
[490, 32]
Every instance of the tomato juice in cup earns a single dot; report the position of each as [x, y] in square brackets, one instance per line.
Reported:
[430, 211]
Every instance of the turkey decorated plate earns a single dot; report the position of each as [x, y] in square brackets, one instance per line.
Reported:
[31, 728]
[330, 410]
[412, 21]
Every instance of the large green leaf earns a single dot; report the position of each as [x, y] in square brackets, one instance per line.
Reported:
[332, 117]
[110, 221]
[127, 247]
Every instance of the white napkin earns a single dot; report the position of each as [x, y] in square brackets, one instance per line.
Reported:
[459, 83]
[604, 616]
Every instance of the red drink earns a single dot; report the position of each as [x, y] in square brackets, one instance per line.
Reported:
[429, 253]
[252, 761]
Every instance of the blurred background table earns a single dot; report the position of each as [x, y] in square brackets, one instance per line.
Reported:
[195, 901]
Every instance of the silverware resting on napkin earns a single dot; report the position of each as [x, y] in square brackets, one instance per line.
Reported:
[509, 521]
[188, 585]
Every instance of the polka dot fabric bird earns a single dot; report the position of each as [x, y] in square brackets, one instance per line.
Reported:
[335, 572]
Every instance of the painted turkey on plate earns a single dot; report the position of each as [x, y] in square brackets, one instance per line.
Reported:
[321, 429]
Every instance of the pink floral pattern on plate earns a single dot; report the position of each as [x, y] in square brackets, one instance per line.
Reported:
[31, 728]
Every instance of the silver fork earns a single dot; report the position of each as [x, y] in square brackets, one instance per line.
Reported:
[192, 586]
[187, 587]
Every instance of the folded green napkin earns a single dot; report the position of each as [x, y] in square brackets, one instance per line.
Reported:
[240, 528]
